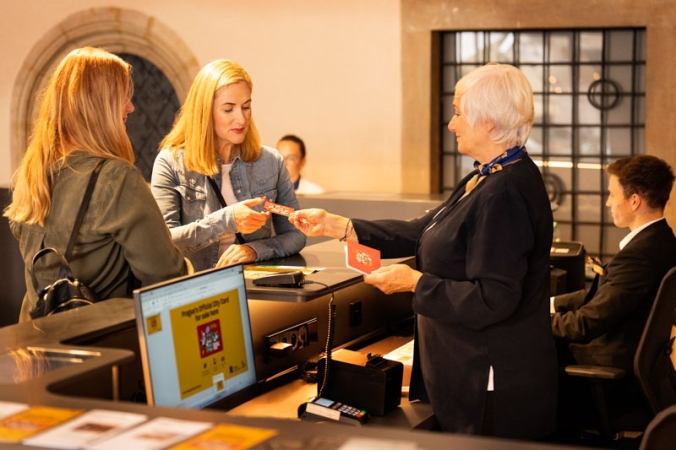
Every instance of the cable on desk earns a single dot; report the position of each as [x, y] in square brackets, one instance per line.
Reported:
[329, 336]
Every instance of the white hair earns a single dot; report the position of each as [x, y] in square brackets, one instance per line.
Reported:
[501, 95]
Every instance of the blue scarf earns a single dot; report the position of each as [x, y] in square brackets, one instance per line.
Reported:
[512, 155]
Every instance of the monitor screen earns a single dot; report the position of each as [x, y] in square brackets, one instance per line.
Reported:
[195, 338]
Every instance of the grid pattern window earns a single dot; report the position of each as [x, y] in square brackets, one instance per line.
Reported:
[589, 91]
[156, 105]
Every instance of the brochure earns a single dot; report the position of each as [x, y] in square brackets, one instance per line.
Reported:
[87, 428]
[155, 434]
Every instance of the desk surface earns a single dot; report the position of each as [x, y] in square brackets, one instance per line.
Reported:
[329, 258]
[112, 318]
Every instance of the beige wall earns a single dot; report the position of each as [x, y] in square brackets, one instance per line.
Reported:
[327, 71]
[351, 77]
[419, 19]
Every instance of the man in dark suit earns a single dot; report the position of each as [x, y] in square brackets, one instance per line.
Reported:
[602, 326]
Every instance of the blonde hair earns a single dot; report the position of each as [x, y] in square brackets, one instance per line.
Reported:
[193, 130]
[82, 107]
[499, 94]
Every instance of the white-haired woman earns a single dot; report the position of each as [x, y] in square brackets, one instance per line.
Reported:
[484, 353]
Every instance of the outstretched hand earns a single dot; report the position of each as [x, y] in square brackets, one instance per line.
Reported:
[312, 222]
[246, 219]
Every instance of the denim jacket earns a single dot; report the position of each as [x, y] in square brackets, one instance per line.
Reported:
[196, 219]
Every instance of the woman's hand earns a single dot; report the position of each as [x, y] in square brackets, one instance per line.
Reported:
[236, 254]
[394, 278]
[318, 222]
[310, 221]
[246, 219]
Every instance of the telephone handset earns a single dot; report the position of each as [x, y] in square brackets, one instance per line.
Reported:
[321, 407]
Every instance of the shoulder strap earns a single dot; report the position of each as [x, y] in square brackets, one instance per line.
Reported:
[83, 209]
[214, 186]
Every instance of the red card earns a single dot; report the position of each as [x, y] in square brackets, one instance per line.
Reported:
[278, 209]
[362, 258]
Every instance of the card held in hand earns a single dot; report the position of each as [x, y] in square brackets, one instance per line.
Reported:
[276, 208]
[362, 258]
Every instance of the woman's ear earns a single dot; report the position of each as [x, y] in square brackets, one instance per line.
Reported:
[488, 127]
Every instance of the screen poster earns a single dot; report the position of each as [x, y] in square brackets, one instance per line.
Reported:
[209, 343]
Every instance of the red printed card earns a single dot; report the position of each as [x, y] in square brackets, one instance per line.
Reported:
[362, 258]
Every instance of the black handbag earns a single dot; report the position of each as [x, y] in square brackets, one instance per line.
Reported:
[67, 292]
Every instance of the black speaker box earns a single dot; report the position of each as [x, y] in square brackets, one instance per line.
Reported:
[558, 281]
[372, 383]
[571, 257]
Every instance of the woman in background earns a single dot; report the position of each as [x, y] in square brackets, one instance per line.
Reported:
[484, 353]
[212, 176]
[81, 120]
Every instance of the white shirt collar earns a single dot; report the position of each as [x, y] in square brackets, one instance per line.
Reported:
[627, 239]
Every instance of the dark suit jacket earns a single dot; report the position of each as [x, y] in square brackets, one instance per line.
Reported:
[483, 301]
[604, 325]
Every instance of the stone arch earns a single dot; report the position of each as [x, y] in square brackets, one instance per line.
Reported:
[116, 29]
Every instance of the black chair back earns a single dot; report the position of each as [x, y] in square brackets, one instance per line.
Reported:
[661, 432]
[652, 364]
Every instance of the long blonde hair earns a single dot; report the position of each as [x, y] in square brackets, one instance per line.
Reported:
[82, 107]
[193, 129]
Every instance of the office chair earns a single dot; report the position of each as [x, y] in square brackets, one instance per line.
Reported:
[652, 365]
[661, 432]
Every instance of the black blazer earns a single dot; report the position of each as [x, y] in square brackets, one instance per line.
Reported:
[604, 325]
[483, 301]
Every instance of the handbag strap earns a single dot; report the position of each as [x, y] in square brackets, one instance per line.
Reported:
[83, 209]
[214, 186]
[64, 272]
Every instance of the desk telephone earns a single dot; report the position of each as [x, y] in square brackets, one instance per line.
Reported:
[321, 407]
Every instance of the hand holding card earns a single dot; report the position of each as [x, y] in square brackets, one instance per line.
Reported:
[276, 208]
[362, 258]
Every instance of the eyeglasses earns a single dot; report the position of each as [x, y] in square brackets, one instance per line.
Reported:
[292, 159]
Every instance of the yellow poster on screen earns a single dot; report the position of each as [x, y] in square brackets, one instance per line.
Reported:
[209, 343]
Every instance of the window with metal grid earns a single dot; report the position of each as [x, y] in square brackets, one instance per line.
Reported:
[589, 91]
[156, 105]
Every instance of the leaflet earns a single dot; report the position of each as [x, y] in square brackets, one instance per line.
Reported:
[156, 434]
[32, 421]
[231, 437]
[92, 426]
[10, 408]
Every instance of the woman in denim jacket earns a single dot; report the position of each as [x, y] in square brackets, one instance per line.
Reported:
[214, 142]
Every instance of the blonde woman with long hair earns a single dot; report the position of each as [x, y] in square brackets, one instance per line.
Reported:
[212, 176]
[81, 120]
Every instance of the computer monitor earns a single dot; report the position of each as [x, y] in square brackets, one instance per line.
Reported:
[195, 339]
